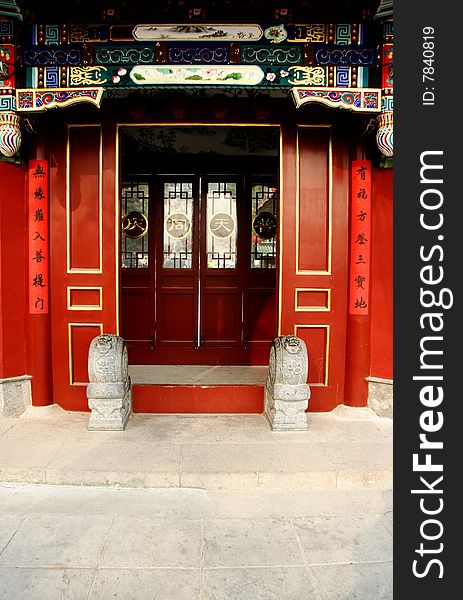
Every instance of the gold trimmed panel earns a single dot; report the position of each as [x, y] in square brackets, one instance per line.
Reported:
[314, 308]
[70, 356]
[72, 288]
[330, 202]
[99, 270]
[327, 349]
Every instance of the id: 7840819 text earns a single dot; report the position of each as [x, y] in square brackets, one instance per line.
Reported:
[428, 70]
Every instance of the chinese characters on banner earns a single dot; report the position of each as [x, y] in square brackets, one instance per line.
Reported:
[360, 237]
[38, 236]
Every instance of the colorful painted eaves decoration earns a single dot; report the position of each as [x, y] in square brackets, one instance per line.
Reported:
[38, 100]
[358, 100]
[266, 56]
[331, 64]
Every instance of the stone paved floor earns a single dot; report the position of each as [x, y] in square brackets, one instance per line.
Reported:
[90, 543]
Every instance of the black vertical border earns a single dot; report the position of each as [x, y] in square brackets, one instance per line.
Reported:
[419, 128]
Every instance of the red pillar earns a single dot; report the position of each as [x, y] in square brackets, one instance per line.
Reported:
[357, 360]
[38, 284]
[382, 276]
[359, 310]
[38, 359]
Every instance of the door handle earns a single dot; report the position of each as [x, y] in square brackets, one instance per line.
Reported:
[152, 342]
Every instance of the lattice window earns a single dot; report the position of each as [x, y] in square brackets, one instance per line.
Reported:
[178, 225]
[222, 226]
[135, 235]
[264, 226]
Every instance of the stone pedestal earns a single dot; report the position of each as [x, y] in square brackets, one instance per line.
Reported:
[15, 395]
[286, 390]
[109, 392]
[380, 396]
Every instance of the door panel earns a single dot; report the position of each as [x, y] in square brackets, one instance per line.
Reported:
[221, 317]
[221, 264]
[210, 279]
[313, 274]
[137, 308]
[176, 225]
[83, 252]
[261, 315]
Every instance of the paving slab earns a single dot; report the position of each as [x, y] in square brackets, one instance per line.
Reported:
[250, 542]
[365, 581]
[343, 539]
[284, 583]
[102, 455]
[232, 458]
[300, 503]
[18, 583]
[363, 454]
[52, 540]
[150, 543]
[9, 524]
[142, 584]
[23, 453]
[6, 424]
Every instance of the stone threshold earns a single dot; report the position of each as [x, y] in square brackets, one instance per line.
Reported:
[198, 375]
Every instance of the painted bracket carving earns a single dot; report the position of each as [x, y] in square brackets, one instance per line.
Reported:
[385, 133]
[33, 100]
[10, 133]
[109, 392]
[286, 390]
[355, 99]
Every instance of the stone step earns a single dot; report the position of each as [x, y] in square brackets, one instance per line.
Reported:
[198, 389]
[213, 452]
[199, 399]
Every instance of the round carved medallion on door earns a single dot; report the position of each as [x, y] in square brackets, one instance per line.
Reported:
[177, 225]
[134, 225]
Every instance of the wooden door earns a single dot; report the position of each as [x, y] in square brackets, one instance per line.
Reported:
[314, 254]
[176, 227]
[200, 288]
[83, 240]
[221, 268]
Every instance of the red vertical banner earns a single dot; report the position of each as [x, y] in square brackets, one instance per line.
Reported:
[360, 242]
[38, 246]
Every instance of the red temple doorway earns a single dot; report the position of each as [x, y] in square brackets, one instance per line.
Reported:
[199, 210]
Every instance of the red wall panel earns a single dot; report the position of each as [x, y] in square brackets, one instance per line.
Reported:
[83, 221]
[313, 198]
[313, 263]
[84, 197]
[12, 270]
